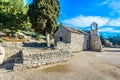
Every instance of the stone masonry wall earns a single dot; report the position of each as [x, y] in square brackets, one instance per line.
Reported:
[12, 44]
[18, 57]
[66, 35]
[79, 42]
[63, 46]
[95, 42]
[37, 58]
[11, 48]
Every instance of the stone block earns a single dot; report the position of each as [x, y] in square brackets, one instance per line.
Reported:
[9, 66]
[18, 60]
[18, 67]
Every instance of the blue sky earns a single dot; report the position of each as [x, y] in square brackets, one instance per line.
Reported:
[81, 13]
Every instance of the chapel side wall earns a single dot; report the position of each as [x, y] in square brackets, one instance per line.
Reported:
[86, 42]
[77, 42]
[65, 34]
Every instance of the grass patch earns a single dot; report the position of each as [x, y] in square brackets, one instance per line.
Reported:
[14, 39]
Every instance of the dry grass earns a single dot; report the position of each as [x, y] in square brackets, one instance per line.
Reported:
[57, 68]
[7, 38]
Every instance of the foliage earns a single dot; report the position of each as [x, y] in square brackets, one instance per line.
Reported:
[114, 39]
[43, 15]
[58, 26]
[87, 31]
[108, 43]
[102, 40]
[105, 42]
[12, 15]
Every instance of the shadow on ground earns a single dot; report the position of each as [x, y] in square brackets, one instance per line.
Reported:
[117, 50]
[34, 44]
[11, 61]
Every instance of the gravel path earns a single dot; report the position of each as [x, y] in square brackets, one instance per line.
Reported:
[82, 66]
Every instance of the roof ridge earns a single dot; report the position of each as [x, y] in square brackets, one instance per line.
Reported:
[75, 30]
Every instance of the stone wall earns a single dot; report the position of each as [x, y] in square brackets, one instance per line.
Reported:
[22, 58]
[63, 46]
[72, 40]
[11, 48]
[38, 58]
[10, 51]
[18, 56]
[12, 44]
[95, 42]
[12, 54]
[79, 42]
[22, 44]
[65, 34]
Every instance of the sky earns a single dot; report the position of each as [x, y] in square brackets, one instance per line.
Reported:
[81, 13]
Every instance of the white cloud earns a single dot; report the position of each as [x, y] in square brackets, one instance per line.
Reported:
[112, 4]
[114, 22]
[105, 29]
[105, 2]
[109, 30]
[115, 5]
[85, 21]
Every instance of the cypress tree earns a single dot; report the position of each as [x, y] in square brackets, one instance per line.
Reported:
[43, 16]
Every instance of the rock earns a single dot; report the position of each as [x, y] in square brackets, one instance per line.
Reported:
[2, 54]
[21, 36]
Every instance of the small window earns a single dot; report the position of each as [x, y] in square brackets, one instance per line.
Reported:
[61, 38]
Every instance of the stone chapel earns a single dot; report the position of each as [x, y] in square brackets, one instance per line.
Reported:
[78, 40]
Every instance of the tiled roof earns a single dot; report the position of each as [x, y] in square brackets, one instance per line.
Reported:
[73, 30]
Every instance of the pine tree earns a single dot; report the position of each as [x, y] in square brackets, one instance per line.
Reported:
[43, 16]
[12, 15]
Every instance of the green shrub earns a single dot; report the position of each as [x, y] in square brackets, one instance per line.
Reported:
[108, 44]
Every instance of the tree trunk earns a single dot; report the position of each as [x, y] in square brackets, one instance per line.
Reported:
[48, 39]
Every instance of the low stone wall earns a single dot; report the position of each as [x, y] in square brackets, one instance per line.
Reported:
[35, 59]
[19, 56]
[10, 51]
[12, 48]
[12, 44]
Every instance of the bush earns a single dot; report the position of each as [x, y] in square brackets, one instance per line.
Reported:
[108, 44]
[1, 40]
[37, 37]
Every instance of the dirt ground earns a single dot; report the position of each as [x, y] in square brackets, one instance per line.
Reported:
[85, 65]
